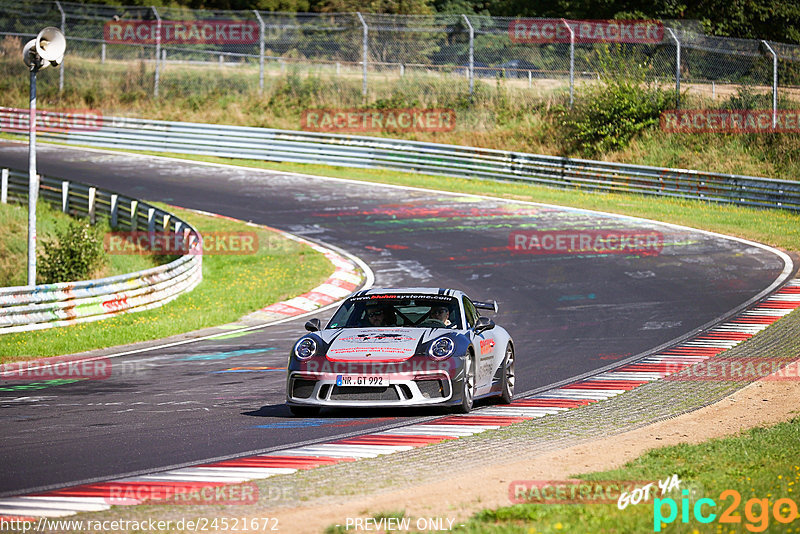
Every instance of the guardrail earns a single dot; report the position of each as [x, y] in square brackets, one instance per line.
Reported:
[38, 307]
[421, 157]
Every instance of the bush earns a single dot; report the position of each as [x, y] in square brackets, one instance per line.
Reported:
[73, 255]
[606, 118]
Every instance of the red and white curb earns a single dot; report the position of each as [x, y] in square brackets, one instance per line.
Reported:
[345, 279]
[97, 497]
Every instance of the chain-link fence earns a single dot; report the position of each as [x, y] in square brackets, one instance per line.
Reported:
[161, 52]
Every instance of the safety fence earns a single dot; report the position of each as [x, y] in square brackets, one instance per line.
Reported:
[168, 51]
[428, 158]
[44, 306]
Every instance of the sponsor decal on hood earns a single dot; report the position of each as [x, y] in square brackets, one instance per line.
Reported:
[376, 345]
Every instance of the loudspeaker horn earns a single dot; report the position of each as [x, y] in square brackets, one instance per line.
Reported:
[51, 45]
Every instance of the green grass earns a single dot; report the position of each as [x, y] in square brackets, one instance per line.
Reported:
[502, 114]
[232, 286]
[761, 463]
[14, 244]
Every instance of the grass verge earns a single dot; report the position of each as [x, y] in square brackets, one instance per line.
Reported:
[14, 244]
[232, 286]
[503, 113]
[760, 464]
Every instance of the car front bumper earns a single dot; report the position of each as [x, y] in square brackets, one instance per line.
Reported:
[320, 389]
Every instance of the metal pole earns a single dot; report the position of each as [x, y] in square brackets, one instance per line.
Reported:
[64, 31]
[677, 68]
[571, 62]
[364, 53]
[261, 36]
[774, 84]
[33, 182]
[471, 55]
[158, 51]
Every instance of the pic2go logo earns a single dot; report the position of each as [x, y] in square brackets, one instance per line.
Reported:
[756, 511]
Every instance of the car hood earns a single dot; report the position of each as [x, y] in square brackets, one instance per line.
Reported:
[387, 344]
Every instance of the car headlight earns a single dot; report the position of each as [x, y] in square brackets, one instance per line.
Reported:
[305, 348]
[442, 348]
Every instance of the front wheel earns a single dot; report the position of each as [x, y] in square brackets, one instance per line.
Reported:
[508, 379]
[467, 386]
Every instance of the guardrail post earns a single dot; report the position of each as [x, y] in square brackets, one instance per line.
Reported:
[365, 51]
[134, 221]
[471, 55]
[151, 220]
[178, 225]
[64, 31]
[114, 209]
[158, 51]
[65, 196]
[774, 84]
[4, 186]
[677, 68]
[261, 37]
[165, 224]
[571, 62]
[92, 197]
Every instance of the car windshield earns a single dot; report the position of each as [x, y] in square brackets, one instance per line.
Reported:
[376, 310]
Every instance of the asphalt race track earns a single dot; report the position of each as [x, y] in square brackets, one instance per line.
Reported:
[568, 313]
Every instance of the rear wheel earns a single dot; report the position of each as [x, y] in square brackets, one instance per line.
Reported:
[508, 379]
[467, 386]
[304, 411]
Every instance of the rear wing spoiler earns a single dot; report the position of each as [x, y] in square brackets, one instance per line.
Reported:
[491, 305]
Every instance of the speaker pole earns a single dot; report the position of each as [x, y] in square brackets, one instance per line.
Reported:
[33, 181]
[47, 49]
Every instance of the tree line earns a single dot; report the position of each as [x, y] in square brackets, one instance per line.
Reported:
[777, 20]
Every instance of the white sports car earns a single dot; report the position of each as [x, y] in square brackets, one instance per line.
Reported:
[401, 347]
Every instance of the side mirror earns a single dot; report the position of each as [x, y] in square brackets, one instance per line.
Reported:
[313, 325]
[483, 323]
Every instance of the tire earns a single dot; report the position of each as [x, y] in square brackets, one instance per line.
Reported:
[304, 411]
[509, 378]
[467, 386]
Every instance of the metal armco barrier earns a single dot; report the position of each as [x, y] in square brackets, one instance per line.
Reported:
[422, 157]
[27, 308]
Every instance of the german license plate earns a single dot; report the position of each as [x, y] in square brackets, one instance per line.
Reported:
[361, 380]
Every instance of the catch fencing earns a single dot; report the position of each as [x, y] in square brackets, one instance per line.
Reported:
[178, 51]
[44, 306]
[430, 158]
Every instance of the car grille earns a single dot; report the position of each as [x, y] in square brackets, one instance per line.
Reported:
[302, 389]
[364, 393]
